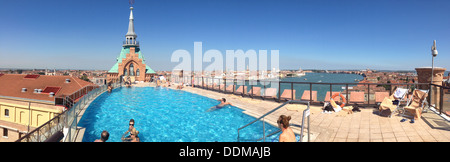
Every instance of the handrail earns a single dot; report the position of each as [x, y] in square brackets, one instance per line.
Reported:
[61, 121]
[438, 106]
[271, 111]
[263, 115]
[259, 139]
[275, 132]
[298, 82]
[444, 87]
[26, 136]
[206, 82]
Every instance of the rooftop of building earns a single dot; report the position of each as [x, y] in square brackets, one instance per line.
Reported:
[123, 55]
[12, 85]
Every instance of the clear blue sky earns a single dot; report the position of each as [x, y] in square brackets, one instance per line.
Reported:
[319, 34]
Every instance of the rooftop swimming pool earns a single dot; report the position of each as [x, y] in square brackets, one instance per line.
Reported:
[166, 115]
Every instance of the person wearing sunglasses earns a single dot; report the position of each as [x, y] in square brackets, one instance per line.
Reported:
[133, 133]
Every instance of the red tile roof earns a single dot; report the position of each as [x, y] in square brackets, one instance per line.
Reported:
[363, 81]
[11, 86]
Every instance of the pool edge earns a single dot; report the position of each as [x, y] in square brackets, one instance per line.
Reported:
[79, 134]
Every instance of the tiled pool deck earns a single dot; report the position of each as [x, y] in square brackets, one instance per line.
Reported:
[364, 126]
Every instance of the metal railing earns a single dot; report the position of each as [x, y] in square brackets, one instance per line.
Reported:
[297, 89]
[67, 120]
[305, 113]
[131, 42]
[439, 98]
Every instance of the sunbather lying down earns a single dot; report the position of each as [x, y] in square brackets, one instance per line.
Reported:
[223, 103]
[336, 107]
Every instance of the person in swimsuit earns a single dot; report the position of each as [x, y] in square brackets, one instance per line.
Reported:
[130, 130]
[134, 136]
[287, 134]
[104, 137]
[223, 103]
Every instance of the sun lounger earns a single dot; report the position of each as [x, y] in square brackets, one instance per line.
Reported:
[240, 90]
[255, 91]
[212, 86]
[287, 95]
[387, 104]
[306, 95]
[415, 104]
[379, 96]
[230, 88]
[221, 87]
[327, 96]
[357, 97]
[270, 93]
[216, 87]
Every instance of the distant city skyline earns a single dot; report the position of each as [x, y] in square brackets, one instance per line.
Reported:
[328, 35]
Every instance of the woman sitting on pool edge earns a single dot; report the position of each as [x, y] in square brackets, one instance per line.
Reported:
[223, 103]
[287, 135]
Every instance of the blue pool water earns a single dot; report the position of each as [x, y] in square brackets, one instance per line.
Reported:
[166, 115]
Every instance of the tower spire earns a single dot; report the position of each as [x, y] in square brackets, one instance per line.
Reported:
[131, 35]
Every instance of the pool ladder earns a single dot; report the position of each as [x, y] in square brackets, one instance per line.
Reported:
[306, 113]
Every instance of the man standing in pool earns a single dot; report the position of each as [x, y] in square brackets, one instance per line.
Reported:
[104, 137]
[130, 130]
[223, 103]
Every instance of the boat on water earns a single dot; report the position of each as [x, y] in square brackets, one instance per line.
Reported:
[301, 74]
[295, 74]
[298, 73]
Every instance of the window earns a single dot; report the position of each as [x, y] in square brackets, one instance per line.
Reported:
[6, 113]
[132, 69]
[5, 132]
[31, 76]
[51, 89]
[137, 72]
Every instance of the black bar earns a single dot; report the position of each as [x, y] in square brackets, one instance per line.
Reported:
[441, 100]
[243, 89]
[368, 94]
[252, 90]
[346, 95]
[292, 91]
[331, 92]
[279, 91]
[310, 92]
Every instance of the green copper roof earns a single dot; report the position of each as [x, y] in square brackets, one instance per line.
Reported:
[123, 54]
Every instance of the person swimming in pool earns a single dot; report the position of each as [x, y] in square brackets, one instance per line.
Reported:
[223, 103]
[132, 131]
[104, 137]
